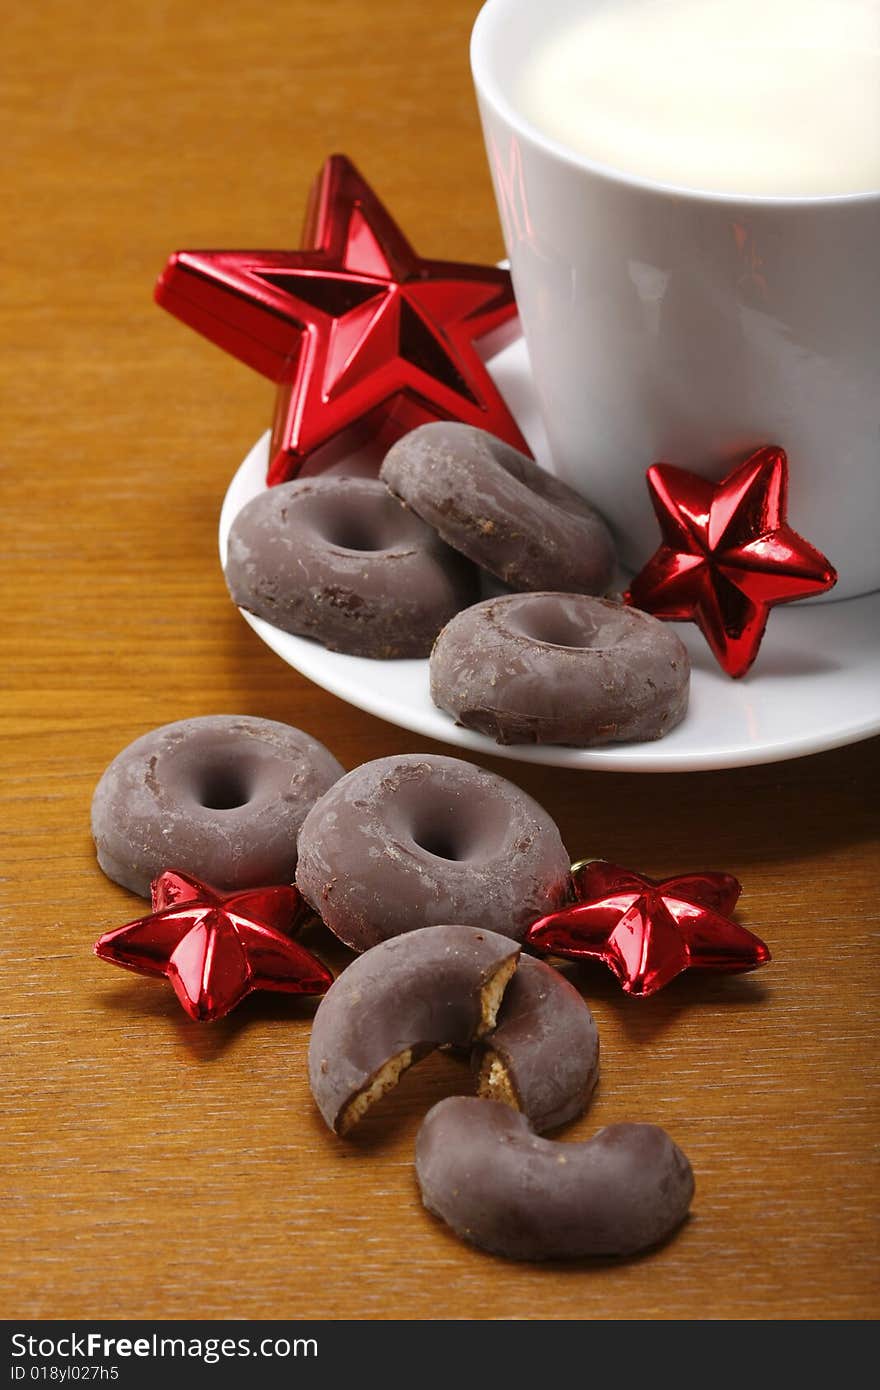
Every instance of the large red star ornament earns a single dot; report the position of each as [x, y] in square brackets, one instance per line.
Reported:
[648, 930]
[357, 330]
[727, 555]
[216, 947]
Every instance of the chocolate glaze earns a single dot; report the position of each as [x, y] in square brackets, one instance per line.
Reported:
[395, 1004]
[543, 1056]
[340, 560]
[484, 1172]
[501, 509]
[221, 797]
[560, 668]
[416, 840]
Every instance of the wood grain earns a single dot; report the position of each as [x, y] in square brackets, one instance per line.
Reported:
[154, 1167]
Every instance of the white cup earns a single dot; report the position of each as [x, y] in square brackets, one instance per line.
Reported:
[687, 327]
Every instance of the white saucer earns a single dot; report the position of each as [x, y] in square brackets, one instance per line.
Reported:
[816, 684]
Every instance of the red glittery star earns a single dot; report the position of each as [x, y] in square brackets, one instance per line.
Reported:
[359, 330]
[216, 947]
[727, 555]
[648, 930]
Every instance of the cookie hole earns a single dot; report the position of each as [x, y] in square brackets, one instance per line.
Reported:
[556, 623]
[460, 832]
[350, 534]
[365, 519]
[440, 843]
[457, 821]
[223, 789]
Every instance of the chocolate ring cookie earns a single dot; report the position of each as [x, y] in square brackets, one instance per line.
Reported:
[560, 668]
[339, 559]
[501, 509]
[484, 1172]
[221, 797]
[395, 1004]
[418, 840]
[542, 1058]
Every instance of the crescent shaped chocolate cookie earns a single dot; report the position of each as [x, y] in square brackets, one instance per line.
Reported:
[497, 1184]
[501, 509]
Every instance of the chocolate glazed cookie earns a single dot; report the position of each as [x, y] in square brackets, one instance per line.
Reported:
[501, 509]
[418, 840]
[560, 668]
[221, 797]
[395, 1004]
[339, 559]
[500, 1186]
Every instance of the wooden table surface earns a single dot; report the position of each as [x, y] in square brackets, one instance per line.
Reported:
[155, 1167]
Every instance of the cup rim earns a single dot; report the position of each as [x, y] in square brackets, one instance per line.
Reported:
[487, 87]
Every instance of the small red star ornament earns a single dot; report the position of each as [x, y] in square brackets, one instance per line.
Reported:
[648, 930]
[217, 947]
[728, 555]
[358, 330]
